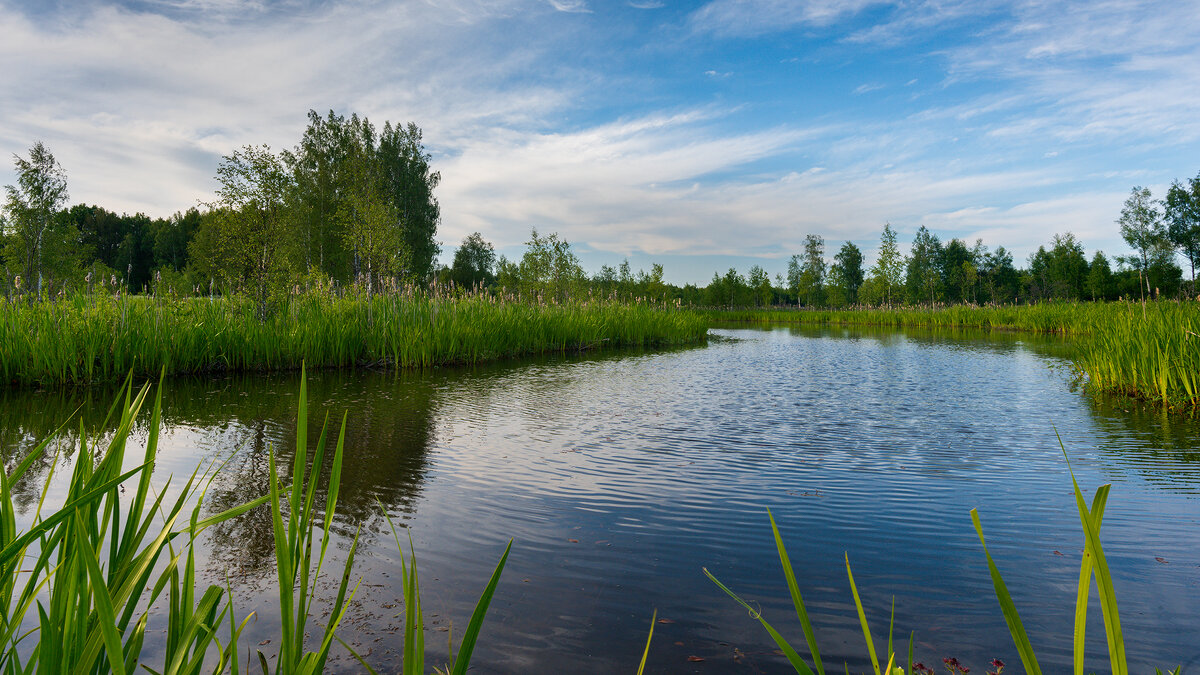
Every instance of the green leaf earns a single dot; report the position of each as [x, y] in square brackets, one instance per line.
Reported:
[797, 600]
[862, 618]
[797, 663]
[1011, 617]
[463, 660]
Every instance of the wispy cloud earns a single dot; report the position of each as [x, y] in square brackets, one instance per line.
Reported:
[579, 6]
[749, 18]
[1023, 118]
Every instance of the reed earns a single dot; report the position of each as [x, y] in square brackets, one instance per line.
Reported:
[1155, 356]
[87, 338]
[1049, 318]
[94, 567]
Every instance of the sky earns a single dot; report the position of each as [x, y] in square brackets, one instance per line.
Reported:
[701, 135]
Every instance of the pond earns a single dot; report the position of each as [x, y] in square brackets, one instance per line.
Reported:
[618, 476]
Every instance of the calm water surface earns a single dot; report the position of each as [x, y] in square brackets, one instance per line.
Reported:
[619, 476]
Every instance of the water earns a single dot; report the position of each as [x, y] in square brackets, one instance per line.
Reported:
[619, 476]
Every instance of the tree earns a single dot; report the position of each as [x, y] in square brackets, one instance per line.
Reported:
[34, 237]
[1100, 277]
[473, 262]
[1060, 272]
[1001, 277]
[847, 268]
[341, 159]
[888, 271]
[760, 286]
[550, 267]
[923, 274]
[795, 266]
[410, 183]
[951, 260]
[1182, 211]
[1141, 227]
[252, 229]
[811, 281]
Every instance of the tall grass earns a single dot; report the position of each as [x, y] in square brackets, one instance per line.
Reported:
[97, 337]
[1154, 357]
[1049, 318]
[77, 586]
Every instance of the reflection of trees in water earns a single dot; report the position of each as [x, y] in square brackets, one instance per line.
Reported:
[390, 427]
[243, 547]
[32, 417]
[999, 341]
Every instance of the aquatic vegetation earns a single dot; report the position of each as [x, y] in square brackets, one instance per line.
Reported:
[86, 338]
[1094, 565]
[91, 569]
[95, 567]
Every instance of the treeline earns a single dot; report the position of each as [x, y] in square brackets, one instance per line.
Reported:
[353, 206]
[934, 272]
[349, 204]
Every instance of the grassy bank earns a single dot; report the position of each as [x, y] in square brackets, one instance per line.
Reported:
[1056, 318]
[97, 337]
[1150, 353]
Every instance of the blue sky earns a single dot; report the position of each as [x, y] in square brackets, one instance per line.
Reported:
[699, 135]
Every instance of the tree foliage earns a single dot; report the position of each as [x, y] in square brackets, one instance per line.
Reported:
[887, 274]
[1141, 227]
[37, 241]
[1181, 209]
[473, 262]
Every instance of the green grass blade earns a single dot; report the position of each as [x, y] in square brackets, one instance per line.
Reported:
[797, 601]
[463, 659]
[862, 618]
[1083, 590]
[107, 618]
[794, 658]
[1108, 598]
[646, 652]
[1011, 617]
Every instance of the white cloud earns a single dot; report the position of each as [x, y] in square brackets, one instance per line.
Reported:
[140, 105]
[749, 18]
[570, 6]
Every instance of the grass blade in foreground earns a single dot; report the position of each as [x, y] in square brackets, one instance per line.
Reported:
[1011, 616]
[788, 651]
[646, 652]
[414, 644]
[797, 600]
[862, 618]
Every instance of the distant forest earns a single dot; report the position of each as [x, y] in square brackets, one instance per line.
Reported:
[352, 206]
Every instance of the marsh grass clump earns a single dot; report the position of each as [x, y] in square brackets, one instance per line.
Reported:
[83, 585]
[94, 337]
